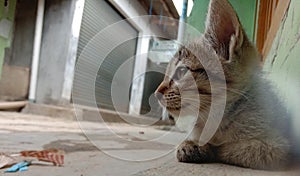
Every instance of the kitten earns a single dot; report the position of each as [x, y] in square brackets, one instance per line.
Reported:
[252, 131]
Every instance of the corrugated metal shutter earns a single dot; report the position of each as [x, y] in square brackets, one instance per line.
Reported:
[97, 15]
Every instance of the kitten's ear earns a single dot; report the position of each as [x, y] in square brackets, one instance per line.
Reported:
[223, 29]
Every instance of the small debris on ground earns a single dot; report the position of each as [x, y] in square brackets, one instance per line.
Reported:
[20, 161]
[22, 166]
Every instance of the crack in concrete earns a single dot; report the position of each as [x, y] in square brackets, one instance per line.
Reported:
[279, 40]
[290, 51]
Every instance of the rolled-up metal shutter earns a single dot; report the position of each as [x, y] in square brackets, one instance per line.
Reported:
[97, 15]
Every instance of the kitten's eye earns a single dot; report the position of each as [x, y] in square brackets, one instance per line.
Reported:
[200, 71]
[180, 72]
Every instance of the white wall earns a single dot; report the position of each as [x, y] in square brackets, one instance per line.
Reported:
[139, 18]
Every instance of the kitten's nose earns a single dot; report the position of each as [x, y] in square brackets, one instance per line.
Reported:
[159, 95]
[160, 91]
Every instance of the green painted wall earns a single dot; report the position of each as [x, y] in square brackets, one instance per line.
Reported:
[9, 14]
[246, 10]
[283, 62]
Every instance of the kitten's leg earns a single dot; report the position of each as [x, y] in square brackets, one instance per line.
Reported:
[255, 153]
[191, 152]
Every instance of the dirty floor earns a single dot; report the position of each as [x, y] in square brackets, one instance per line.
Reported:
[105, 149]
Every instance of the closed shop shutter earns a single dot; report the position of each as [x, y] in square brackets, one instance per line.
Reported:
[97, 16]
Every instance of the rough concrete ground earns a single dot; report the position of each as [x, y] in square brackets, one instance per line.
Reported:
[125, 149]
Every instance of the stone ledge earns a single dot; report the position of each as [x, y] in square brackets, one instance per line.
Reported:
[84, 113]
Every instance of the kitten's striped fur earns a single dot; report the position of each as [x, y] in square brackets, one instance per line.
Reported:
[252, 132]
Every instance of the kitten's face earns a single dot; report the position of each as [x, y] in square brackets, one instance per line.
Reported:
[197, 68]
[186, 81]
[186, 88]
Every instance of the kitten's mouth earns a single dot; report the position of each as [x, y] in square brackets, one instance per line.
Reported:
[184, 105]
[172, 108]
[170, 103]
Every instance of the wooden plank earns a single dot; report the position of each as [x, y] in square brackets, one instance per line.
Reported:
[262, 28]
[280, 11]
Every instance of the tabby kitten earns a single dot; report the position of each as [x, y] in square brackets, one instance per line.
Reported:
[252, 130]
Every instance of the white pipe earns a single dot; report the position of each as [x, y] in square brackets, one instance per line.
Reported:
[36, 49]
[12, 105]
[182, 20]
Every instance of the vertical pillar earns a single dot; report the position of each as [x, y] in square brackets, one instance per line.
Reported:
[72, 51]
[140, 68]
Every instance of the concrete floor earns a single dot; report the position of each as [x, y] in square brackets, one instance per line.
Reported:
[105, 149]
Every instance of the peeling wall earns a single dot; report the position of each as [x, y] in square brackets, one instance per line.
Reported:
[21, 50]
[283, 62]
[54, 51]
[7, 14]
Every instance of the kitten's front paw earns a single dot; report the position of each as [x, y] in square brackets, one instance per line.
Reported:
[190, 152]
